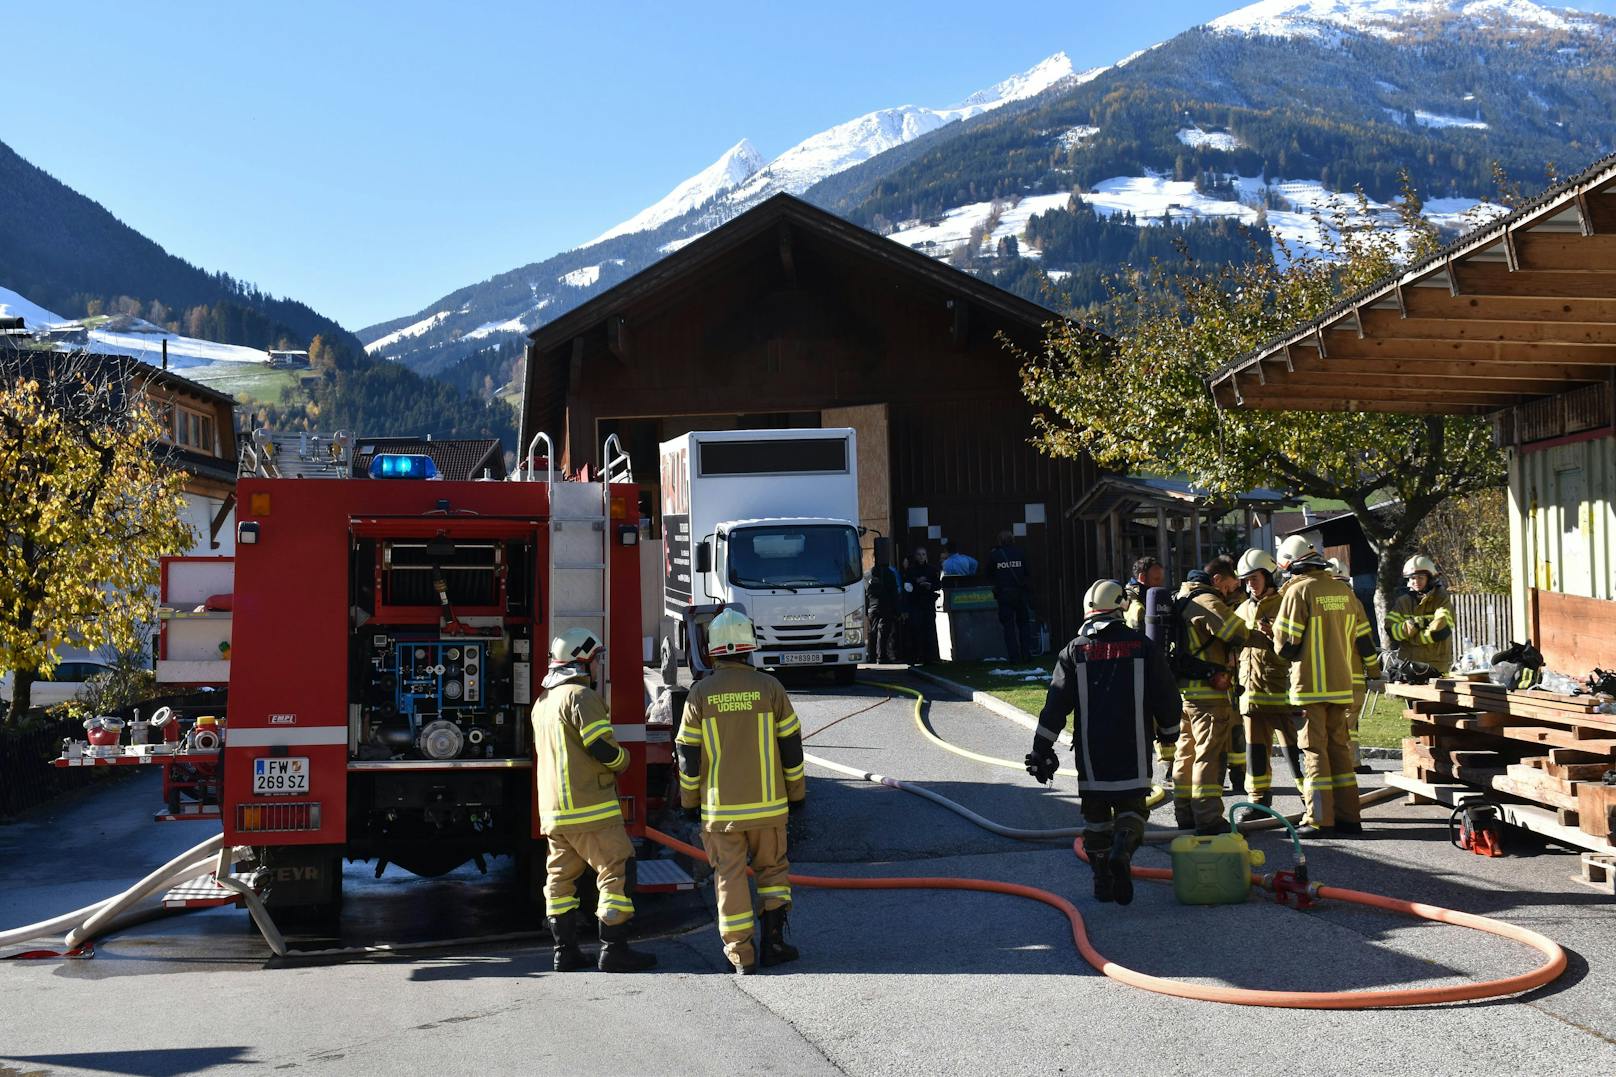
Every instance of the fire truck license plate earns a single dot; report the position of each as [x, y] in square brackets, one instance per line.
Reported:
[790, 659]
[287, 775]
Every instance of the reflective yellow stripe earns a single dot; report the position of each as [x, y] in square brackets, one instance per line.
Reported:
[1229, 629]
[617, 901]
[764, 739]
[591, 814]
[557, 906]
[688, 781]
[794, 773]
[789, 726]
[689, 735]
[1345, 781]
[740, 812]
[563, 780]
[1237, 759]
[592, 732]
[736, 921]
[709, 728]
[775, 891]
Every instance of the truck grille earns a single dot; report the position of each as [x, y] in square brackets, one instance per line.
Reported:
[272, 818]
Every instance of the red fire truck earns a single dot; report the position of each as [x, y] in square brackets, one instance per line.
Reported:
[386, 633]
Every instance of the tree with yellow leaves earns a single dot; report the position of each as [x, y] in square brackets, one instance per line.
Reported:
[88, 503]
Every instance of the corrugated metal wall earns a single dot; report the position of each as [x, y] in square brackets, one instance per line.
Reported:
[1562, 521]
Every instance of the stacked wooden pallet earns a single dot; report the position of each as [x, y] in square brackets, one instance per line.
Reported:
[1547, 754]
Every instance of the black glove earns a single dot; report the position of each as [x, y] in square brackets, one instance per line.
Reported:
[1042, 762]
[797, 807]
[692, 815]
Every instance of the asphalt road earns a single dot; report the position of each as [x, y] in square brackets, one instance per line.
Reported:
[935, 982]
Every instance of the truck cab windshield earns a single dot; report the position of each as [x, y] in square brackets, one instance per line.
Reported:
[794, 557]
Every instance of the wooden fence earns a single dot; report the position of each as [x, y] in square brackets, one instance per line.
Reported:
[1484, 620]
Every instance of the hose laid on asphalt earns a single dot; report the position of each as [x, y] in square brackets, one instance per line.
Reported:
[85, 924]
[1552, 967]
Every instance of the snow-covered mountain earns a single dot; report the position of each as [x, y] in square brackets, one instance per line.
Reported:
[1262, 118]
[1392, 19]
[743, 178]
[734, 167]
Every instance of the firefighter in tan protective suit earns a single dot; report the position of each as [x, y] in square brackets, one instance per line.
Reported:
[1421, 622]
[740, 766]
[1317, 628]
[576, 771]
[1364, 669]
[1212, 636]
[1265, 705]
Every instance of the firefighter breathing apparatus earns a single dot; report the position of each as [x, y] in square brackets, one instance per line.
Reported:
[1211, 863]
[1287, 887]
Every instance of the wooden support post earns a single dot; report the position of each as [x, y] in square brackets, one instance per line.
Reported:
[1195, 530]
[1118, 555]
[1163, 553]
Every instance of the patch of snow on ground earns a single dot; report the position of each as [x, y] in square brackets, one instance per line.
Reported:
[1058, 275]
[14, 305]
[1212, 140]
[674, 244]
[1076, 136]
[1437, 120]
[415, 329]
[1150, 198]
[1017, 672]
[183, 352]
[1461, 214]
[581, 278]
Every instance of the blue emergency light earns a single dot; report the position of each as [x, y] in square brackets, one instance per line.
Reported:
[401, 466]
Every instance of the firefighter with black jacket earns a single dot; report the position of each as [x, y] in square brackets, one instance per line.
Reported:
[1317, 629]
[1118, 685]
[576, 773]
[1012, 590]
[740, 773]
[883, 605]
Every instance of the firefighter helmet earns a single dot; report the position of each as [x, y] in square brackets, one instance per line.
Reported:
[1104, 597]
[1338, 568]
[730, 633]
[575, 645]
[1295, 548]
[1419, 563]
[1254, 561]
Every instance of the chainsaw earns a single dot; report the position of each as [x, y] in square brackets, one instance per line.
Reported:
[1478, 827]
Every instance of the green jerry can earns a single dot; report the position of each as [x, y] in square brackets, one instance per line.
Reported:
[1213, 869]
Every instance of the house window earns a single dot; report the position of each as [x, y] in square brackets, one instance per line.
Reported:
[193, 430]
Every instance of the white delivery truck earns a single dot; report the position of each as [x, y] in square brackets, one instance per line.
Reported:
[766, 519]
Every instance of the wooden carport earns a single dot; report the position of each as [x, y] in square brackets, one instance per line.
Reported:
[1516, 321]
[1522, 308]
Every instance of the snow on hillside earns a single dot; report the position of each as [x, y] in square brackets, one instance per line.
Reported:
[1435, 119]
[736, 164]
[415, 329]
[1076, 136]
[33, 316]
[1212, 140]
[1325, 20]
[522, 323]
[581, 278]
[1154, 200]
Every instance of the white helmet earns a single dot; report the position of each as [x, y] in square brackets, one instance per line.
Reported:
[1338, 568]
[1419, 563]
[1295, 548]
[730, 633]
[1104, 597]
[575, 645]
[1254, 561]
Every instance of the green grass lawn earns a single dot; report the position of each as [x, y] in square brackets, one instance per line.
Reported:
[1384, 727]
[248, 381]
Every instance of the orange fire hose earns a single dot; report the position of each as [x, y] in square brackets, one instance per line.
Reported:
[1239, 996]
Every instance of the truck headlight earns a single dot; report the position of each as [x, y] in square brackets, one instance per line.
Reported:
[853, 628]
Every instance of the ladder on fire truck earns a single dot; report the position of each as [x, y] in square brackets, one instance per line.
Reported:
[580, 572]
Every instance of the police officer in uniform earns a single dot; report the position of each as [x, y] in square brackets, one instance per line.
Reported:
[1118, 685]
[1012, 590]
[576, 773]
[740, 773]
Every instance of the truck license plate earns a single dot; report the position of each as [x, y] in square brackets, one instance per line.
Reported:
[790, 659]
[283, 776]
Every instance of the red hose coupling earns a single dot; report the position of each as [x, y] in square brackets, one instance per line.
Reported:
[1293, 889]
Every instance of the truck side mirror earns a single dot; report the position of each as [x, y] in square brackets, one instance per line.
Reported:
[704, 556]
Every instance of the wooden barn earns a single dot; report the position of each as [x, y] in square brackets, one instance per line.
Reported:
[788, 316]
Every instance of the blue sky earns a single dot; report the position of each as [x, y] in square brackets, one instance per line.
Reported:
[367, 158]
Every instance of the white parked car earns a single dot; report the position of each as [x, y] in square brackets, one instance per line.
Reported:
[65, 683]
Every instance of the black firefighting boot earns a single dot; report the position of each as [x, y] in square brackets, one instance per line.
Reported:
[615, 953]
[1129, 833]
[1246, 815]
[564, 930]
[775, 950]
[1097, 847]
